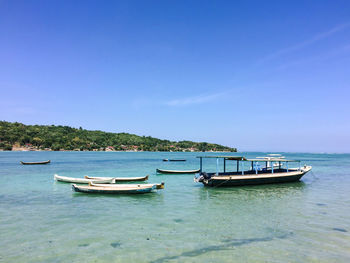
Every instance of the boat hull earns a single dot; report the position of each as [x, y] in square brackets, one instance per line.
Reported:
[66, 179]
[35, 163]
[119, 179]
[111, 190]
[231, 181]
[177, 171]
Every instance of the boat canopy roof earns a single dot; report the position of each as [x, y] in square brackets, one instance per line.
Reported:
[242, 158]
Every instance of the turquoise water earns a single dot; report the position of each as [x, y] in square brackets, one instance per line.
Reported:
[44, 221]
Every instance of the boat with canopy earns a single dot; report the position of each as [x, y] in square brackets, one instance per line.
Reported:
[251, 171]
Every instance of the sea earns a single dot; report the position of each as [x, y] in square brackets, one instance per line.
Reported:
[42, 220]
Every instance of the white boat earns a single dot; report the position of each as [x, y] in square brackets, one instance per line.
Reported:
[158, 186]
[119, 179]
[81, 180]
[116, 189]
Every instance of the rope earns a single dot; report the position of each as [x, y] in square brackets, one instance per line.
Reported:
[222, 182]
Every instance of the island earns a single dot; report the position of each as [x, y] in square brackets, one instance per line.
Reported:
[15, 136]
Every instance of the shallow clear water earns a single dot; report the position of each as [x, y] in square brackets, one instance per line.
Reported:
[44, 221]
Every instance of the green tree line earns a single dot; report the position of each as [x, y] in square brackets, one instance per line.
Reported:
[67, 138]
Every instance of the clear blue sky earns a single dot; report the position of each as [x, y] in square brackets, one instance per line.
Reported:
[257, 75]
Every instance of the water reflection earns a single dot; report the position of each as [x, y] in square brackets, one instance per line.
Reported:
[274, 191]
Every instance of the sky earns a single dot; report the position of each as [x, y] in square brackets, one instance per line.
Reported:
[256, 75]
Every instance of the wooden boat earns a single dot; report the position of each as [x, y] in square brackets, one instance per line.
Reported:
[158, 186]
[161, 171]
[255, 175]
[33, 163]
[117, 189]
[174, 160]
[119, 179]
[81, 180]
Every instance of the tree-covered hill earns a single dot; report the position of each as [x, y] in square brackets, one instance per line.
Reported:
[17, 136]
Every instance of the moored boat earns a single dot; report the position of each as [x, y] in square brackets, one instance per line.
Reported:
[174, 160]
[256, 173]
[34, 163]
[67, 179]
[119, 179]
[158, 186]
[162, 171]
[117, 189]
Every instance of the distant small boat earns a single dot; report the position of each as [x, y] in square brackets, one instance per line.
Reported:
[117, 189]
[32, 163]
[174, 160]
[161, 171]
[67, 179]
[119, 179]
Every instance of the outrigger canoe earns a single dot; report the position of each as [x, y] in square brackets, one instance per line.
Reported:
[82, 180]
[161, 171]
[117, 189]
[33, 163]
[158, 186]
[119, 179]
[174, 160]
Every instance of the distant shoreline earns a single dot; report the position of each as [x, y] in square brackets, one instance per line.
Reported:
[112, 151]
[19, 137]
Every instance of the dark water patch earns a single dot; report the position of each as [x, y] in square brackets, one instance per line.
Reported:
[229, 244]
[320, 204]
[339, 229]
[178, 220]
[116, 244]
[83, 245]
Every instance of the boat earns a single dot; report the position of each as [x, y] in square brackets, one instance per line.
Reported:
[117, 189]
[119, 179]
[33, 163]
[67, 179]
[158, 186]
[256, 174]
[161, 171]
[174, 160]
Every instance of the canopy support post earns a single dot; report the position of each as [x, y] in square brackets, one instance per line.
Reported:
[200, 164]
[237, 165]
[224, 165]
[242, 166]
[271, 167]
[217, 166]
[287, 166]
